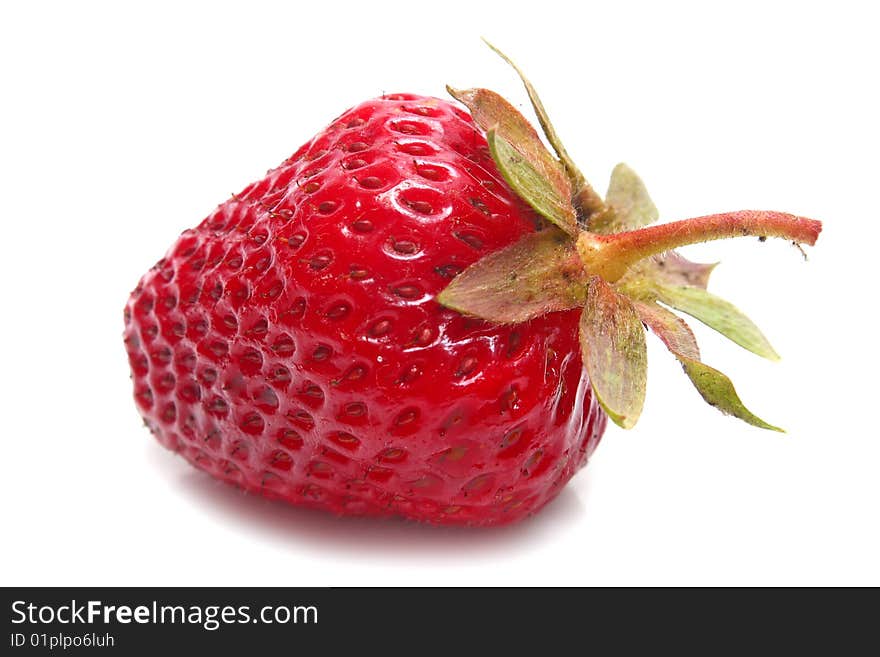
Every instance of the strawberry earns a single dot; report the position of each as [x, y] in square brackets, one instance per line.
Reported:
[423, 313]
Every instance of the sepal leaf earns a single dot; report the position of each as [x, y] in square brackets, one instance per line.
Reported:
[672, 330]
[529, 181]
[670, 269]
[613, 350]
[628, 204]
[675, 269]
[577, 178]
[539, 274]
[719, 392]
[718, 314]
[526, 164]
[713, 386]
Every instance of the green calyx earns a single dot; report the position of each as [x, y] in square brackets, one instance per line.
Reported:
[606, 257]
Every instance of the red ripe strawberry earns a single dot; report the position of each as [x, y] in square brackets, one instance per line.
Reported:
[293, 344]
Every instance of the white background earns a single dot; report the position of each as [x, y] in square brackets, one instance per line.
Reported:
[121, 126]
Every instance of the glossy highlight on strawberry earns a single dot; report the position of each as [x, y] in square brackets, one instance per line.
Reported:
[292, 345]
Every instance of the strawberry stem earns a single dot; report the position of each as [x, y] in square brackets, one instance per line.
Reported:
[609, 256]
